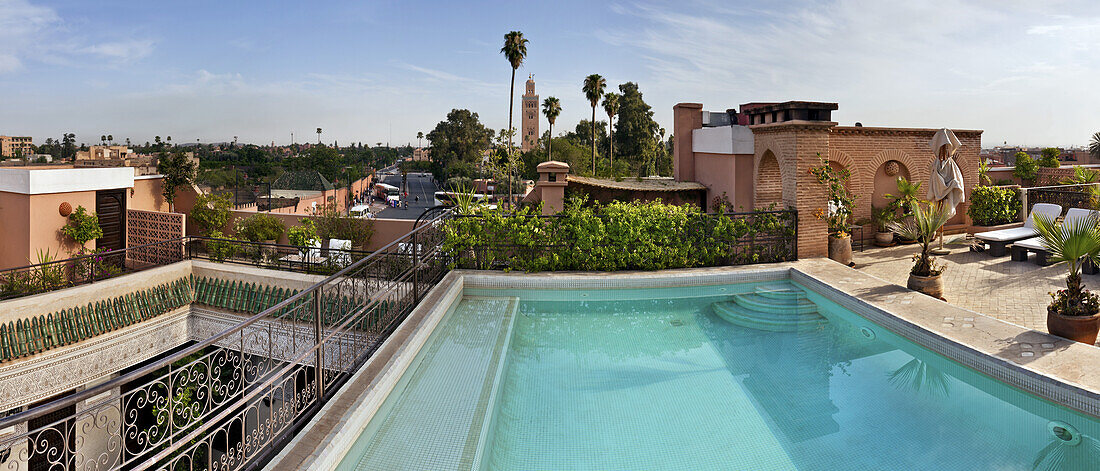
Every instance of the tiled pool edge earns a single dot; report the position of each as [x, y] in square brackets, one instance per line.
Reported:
[1004, 351]
[382, 371]
[1059, 374]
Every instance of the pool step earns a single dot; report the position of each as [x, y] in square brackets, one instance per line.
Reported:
[774, 308]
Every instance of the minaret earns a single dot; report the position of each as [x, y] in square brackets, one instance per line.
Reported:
[529, 128]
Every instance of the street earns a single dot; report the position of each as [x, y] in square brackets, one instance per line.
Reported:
[420, 185]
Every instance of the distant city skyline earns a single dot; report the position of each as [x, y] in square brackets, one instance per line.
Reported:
[1021, 71]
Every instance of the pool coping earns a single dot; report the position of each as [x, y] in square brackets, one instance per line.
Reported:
[1044, 365]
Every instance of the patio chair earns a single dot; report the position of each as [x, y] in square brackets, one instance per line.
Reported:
[998, 240]
[1021, 248]
[338, 251]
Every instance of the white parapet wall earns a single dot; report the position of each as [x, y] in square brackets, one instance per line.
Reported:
[723, 140]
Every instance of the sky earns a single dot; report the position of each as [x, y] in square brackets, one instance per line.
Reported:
[380, 71]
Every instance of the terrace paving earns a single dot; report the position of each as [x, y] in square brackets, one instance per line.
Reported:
[1015, 292]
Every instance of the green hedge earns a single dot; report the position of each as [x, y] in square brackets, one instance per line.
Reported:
[991, 205]
[618, 236]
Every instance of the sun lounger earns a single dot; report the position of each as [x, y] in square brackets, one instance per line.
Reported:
[1000, 239]
[1021, 248]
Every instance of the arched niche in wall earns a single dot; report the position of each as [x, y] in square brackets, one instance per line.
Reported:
[886, 177]
[768, 185]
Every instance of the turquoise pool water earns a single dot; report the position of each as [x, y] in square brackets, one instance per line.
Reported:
[745, 376]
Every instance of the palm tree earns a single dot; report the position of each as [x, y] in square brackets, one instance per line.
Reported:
[551, 108]
[318, 135]
[611, 106]
[593, 89]
[1074, 241]
[103, 138]
[922, 227]
[515, 50]
[419, 136]
[1094, 146]
[111, 139]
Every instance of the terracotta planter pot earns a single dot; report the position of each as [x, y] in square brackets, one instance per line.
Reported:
[884, 239]
[904, 241]
[1077, 328]
[840, 249]
[930, 285]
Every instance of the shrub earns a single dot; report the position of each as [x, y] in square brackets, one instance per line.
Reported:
[332, 224]
[1049, 158]
[616, 236]
[303, 235]
[82, 227]
[211, 213]
[219, 250]
[1026, 169]
[258, 227]
[991, 205]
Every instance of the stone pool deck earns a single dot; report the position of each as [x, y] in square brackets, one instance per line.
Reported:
[1015, 292]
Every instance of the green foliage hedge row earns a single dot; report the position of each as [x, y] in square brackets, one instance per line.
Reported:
[617, 236]
[991, 205]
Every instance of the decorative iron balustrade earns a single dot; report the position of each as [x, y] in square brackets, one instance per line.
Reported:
[538, 243]
[1066, 196]
[231, 401]
[58, 274]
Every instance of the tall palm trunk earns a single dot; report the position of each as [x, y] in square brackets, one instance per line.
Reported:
[611, 147]
[511, 97]
[550, 143]
[593, 139]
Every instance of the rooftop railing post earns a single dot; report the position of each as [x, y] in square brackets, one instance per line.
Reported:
[416, 269]
[1023, 205]
[318, 337]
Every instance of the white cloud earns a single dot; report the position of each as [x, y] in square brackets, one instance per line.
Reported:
[979, 64]
[123, 51]
[30, 32]
[21, 26]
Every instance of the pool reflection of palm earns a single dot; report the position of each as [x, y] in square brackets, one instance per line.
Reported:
[918, 376]
[1064, 455]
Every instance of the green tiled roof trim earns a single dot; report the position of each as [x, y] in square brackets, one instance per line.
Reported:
[26, 337]
[311, 180]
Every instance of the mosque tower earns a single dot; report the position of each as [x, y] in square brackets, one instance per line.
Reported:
[529, 128]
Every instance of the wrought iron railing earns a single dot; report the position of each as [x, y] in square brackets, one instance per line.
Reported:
[52, 274]
[57, 274]
[232, 400]
[710, 239]
[1066, 196]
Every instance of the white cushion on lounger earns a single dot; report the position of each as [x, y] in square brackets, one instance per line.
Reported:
[1075, 213]
[1034, 243]
[1028, 231]
[1007, 235]
[1050, 210]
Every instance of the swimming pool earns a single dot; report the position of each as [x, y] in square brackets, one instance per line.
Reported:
[763, 375]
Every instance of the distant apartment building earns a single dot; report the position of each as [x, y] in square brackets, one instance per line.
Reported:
[529, 124]
[13, 146]
[421, 154]
[104, 153]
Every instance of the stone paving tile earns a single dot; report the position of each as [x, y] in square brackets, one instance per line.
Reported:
[1016, 292]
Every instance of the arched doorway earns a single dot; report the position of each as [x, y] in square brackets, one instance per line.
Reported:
[769, 183]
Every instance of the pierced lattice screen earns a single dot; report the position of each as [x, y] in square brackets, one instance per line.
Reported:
[152, 227]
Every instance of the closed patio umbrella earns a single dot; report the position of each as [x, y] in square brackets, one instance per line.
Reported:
[946, 182]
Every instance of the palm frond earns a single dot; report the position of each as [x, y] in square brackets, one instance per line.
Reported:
[1071, 241]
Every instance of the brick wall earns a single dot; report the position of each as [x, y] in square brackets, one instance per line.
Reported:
[798, 146]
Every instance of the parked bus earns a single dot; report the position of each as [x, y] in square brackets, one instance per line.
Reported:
[390, 193]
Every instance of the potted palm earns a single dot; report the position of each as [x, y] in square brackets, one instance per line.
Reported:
[925, 219]
[882, 217]
[839, 210]
[1074, 312]
[907, 194]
